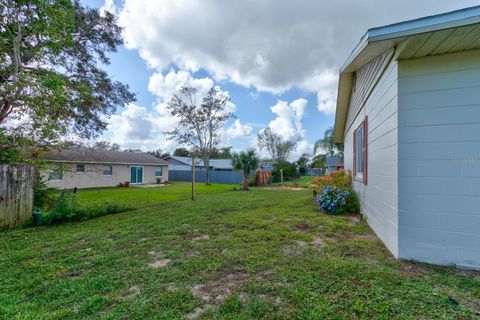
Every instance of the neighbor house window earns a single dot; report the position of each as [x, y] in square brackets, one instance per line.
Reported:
[80, 168]
[55, 173]
[158, 171]
[360, 152]
[107, 170]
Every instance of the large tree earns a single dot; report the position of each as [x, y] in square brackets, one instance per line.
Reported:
[222, 153]
[159, 153]
[200, 121]
[278, 149]
[51, 77]
[181, 152]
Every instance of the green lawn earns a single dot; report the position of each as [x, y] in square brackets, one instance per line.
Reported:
[303, 181]
[229, 255]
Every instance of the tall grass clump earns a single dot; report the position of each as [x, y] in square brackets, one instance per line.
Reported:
[68, 209]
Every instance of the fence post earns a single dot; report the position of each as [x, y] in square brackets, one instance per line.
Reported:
[193, 178]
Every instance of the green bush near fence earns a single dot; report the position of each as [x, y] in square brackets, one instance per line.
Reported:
[67, 209]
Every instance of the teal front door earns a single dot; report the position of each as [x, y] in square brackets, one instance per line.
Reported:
[136, 174]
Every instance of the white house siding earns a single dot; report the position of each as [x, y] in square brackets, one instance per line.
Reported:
[379, 198]
[439, 159]
[93, 176]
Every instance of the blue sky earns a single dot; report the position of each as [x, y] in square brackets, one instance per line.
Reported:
[260, 52]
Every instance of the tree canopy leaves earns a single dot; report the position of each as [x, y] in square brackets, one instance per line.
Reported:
[51, 77]
[245, 161]
[278, 149]
[327, 144]
[199, 121]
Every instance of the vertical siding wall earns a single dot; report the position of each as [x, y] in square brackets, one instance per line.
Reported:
[439, 159]
[93, 176]
[379, 199]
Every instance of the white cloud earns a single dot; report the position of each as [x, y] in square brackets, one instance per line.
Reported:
[166, 86]
[327, 100]
[269, 45]
[288, 124]
[109, 6]
[141, 128]
[237, 129]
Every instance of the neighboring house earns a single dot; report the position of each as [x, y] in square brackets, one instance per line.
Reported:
[266, 166]
[176, 163]
[185, 164]
[333, 163]
[408, 113]
[88, 168]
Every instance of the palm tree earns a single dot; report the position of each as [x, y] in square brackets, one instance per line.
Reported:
[328, 144]
[245, 161]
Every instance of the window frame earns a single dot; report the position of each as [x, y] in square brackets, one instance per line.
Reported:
[155, 172]
[363, 175]
[81, 165]
[58, 171]
[110, 170]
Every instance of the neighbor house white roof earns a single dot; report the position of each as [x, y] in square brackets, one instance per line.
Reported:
[439, 34]
[214, 163]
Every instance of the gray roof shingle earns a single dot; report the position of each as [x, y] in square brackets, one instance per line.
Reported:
[102, 156]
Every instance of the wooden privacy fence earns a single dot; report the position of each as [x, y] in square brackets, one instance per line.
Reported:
[263, 178]
[16, 195]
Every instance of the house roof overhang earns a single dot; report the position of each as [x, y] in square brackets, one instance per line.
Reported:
[439, 34]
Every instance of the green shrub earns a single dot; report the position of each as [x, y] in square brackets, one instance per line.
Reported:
[66, 210]
[41, 195]
[289, 171]
[338, 179]
[338, 200]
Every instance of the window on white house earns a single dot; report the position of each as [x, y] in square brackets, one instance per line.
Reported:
[158, 171]
[107, 170]
[80, 168]
[360, 152]
[55, 174]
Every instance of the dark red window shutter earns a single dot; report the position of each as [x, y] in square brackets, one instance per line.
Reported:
[354, 153]
[365, 150]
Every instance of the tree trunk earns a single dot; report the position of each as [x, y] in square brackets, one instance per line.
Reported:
[206, 163]
[245, 181]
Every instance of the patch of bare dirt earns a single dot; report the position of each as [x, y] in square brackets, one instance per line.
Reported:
[198, 312]
[201, 238]
[87, 239]
[159, 263]
[132, 292]
[303, 227]
[411, 269]
[218, 290]
[318, 242]
[354, 218]
[215, 291]
[297, 248]
[353, 236]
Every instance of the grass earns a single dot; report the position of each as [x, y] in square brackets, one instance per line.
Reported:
[303, 181]
[262, 254]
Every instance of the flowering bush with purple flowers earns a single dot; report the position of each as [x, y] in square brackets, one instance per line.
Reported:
[335, 200]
